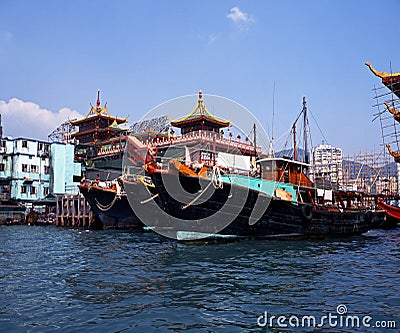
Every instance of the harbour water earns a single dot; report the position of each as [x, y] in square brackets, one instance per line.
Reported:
[55, 279]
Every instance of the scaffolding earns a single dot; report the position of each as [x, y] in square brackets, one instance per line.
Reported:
[62, 133]
[156, 125]
[371, 172]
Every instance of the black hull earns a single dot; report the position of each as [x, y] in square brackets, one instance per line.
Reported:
[113, 212]
[277, 218]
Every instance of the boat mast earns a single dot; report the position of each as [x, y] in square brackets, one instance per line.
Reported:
[255, 139]
[271, 143]
[294, 143]
[305, 123]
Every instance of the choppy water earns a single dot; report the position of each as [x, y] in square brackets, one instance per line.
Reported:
[102, 281]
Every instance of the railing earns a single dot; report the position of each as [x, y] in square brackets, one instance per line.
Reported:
[110, 151]
[207, 136]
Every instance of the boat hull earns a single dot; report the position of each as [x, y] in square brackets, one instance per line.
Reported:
[277, 217]
[113, 211]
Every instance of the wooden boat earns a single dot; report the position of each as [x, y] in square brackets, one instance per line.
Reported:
[109, 202]
[262, 207]
[393, 214]
[186, 202]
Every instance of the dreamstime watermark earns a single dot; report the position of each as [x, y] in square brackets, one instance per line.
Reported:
[340, 319]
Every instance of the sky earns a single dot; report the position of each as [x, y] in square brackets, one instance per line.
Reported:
[264, 55]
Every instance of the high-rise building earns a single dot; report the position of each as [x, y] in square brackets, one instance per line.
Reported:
[327, 166]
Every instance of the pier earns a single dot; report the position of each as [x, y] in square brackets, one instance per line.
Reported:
[74, 211]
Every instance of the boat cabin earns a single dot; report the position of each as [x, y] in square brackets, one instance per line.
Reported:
[285, 171]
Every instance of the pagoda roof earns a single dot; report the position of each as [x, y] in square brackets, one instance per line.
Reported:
[394, 112]
[98, 112]
[391, 81]
[200, 113]
[94, 130]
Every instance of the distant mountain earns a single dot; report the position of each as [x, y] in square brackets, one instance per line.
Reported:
[289, 153]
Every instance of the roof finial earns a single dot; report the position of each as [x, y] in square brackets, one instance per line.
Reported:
[98, 98]
[200, 96]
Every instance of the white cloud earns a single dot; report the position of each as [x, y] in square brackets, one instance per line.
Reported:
[239, 18]
[27, 119]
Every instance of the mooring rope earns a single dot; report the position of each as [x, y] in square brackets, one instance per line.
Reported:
[117, 196]
[216, 181]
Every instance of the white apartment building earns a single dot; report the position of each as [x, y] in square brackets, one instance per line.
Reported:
[31, 169]
[327, 166]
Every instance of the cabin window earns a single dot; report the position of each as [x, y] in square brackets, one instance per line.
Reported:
[3, 144]
[33, 189]
[46, 169]
[286, 175]
[45, 191]
[34, 168]
[40, 146]
[24, 144]
[2, 167]
[24, 167]
[267, 166]
[24, 189]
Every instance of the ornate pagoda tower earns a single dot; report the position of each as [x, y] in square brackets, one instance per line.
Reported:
[94, 129]
[200, 119]
[201, 129]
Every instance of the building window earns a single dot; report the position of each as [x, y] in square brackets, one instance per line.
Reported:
[25, 168]
[24, 189]
[34, 168]
[33, 189]
[40, 146]
[3, 144]
[46, 169]
[2, 166]
[24, 144]
[45, 191]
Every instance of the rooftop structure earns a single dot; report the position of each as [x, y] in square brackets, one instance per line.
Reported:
[201, 127]
[200, 119]
[97, 126]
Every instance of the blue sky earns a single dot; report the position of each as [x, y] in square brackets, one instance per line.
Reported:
[54, 55]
